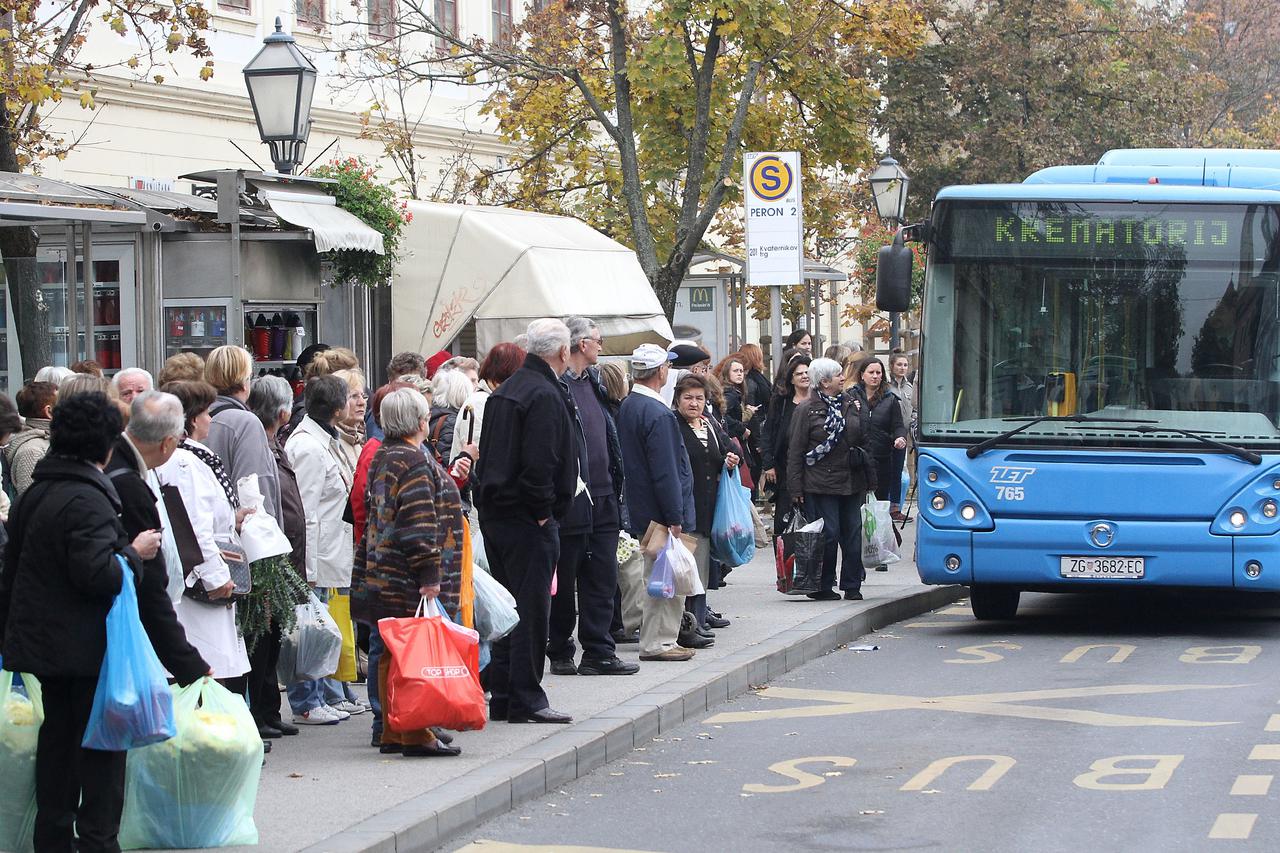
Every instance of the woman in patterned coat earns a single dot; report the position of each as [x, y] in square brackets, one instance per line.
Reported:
[412, 545]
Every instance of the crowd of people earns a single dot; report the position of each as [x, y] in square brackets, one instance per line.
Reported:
[540, 456]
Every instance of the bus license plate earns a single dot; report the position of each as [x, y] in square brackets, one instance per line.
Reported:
[1103, 567]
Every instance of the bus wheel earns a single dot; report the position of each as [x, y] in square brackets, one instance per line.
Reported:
[993, 602]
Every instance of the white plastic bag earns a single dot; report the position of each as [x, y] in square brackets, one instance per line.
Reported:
[260, 535]
[312, 649]
[685, 568]
[879, 544]
[496, 615]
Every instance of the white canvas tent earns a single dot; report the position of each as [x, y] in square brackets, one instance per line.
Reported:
[508, 267]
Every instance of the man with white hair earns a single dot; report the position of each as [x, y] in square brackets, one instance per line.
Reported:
[526, 479]
[131, 382]
[156, 427]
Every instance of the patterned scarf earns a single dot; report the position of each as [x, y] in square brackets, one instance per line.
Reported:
[219, 470]
[834, 426]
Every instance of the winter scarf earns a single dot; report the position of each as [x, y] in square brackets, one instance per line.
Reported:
[834, 426]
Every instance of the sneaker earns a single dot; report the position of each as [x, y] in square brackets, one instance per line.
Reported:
[350, 708]
[613, 666]
[322, 715]
[338, 712]
[563, 667]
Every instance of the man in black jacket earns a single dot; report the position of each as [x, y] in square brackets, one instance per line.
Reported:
[589, 535]
[527, 476]
[61, 576]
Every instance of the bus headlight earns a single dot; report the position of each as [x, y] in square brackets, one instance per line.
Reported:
[1253, 568]
[933, 477]
[1269, 508]
[968, 512]
[938, 502]
[1238, 518]
[952, 563]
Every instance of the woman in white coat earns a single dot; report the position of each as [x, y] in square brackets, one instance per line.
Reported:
[211, 625]
[324, 473]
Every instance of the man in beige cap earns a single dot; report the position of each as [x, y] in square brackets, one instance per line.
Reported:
[658, 483]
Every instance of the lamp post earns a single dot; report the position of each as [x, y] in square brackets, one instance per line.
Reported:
[889, 185]
[281, 81]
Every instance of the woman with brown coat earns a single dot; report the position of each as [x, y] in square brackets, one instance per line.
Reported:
[412, 546]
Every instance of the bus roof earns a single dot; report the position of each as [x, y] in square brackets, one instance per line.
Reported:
[1135, 193]
[1197, 157]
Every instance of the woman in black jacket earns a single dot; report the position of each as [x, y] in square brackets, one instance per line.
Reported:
[828, 471]
[755, 402]
[881, 417]
[61, 576]
[708, 456]
[792, 389]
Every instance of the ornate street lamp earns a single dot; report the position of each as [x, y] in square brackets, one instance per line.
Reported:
[281, 81]
[889, 184]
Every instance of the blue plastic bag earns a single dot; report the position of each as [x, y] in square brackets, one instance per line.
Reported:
[662, 580]
[198, 789]
[733, 533]
[132, 706]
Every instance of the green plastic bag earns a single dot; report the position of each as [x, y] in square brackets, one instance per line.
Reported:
[199, 788]
[20, 719]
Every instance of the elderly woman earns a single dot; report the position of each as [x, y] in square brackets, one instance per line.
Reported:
[412, 544]
[709, 454]
[827, 471]
[235, 433]
[450, 390]
[62, 573]
[325, 475]
[793, 388]
[499, 363]
[197, 474]
[351, 425]
[271, 401]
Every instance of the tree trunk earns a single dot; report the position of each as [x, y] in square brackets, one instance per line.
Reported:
[666, 284]
[21, 278]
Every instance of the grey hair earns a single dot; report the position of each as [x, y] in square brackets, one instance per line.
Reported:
[580, 329]
[83, 383]
[822, 369]
[53, 373]
[450, 388]
[547, 337]
[268, 397]
[639, 374]
[133, 371]
[155, 416]
[403, 412]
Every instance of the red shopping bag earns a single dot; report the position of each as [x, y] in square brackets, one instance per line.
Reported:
[433, 678]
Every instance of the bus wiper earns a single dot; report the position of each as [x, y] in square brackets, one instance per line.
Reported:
[1247, 455]
[988, 443]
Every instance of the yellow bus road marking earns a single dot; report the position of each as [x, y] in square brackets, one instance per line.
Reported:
[1248, 785]
[1265, 752]
[839, 702]
[1273, 724]
[1233, 827]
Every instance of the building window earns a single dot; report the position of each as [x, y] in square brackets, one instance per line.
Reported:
[382, 18]
[503, 23]
[241, 6]
[447, 18]
[310, 13]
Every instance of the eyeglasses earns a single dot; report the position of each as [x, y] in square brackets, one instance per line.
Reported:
[597, 341]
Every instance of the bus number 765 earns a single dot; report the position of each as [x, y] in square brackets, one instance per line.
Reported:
[1009, 493]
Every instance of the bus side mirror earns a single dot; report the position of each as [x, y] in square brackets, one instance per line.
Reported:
[893, 276]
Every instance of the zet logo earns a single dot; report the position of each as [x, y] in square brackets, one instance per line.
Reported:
[1004, 475]
[771, 178]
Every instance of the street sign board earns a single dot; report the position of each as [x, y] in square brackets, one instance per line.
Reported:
[775, 218]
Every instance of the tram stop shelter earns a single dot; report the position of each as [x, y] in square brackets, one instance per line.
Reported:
[500, 268]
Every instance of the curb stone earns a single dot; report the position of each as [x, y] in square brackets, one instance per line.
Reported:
[428, 821]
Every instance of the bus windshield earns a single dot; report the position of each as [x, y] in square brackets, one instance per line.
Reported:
[1167, 315]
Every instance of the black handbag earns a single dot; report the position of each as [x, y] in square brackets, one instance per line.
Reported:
[189, 551]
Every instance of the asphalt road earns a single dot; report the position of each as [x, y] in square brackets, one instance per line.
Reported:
[1130, 724]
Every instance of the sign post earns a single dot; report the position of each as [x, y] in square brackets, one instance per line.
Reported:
[775, 229]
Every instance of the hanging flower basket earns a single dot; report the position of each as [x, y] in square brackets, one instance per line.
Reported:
[375, 204]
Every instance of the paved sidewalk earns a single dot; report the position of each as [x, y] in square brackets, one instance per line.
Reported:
[328, 790]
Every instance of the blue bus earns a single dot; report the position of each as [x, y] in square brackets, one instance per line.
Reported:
[1099, 386]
